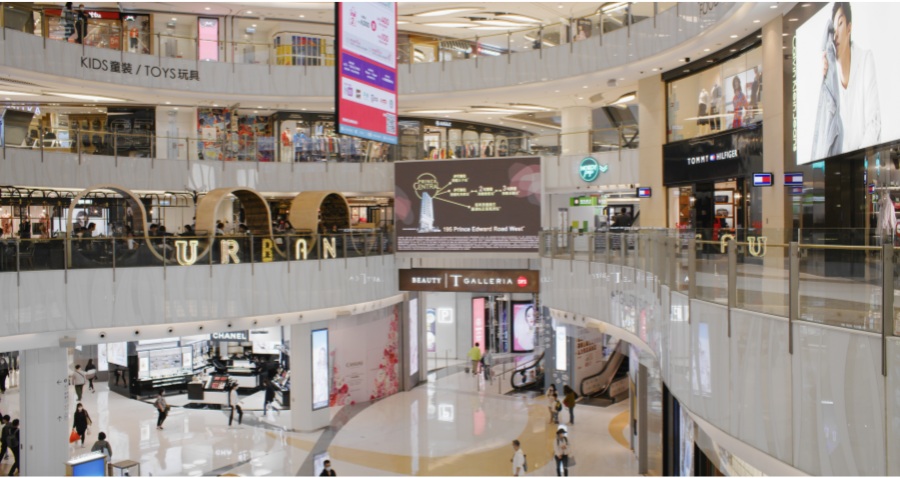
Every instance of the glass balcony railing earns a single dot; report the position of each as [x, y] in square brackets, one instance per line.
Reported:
[813, 279]
[72, 253]
[244, 147]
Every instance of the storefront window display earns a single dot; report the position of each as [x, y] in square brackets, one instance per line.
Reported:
[137, 30]
[214, 126]
[725, 96]
[104, 28]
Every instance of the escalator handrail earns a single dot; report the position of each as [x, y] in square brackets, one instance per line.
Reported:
[524, 370]
[612, 358]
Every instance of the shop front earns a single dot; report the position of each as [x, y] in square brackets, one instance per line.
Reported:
[709, 183]
[493, 308]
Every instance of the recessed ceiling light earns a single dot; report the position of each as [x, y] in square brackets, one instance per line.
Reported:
[758, 36]
[176, 108]
[580, 97]
[556, 91]
[259, 106]
[207, 8]
[214, 104]
[559, 6]
[449, 25]
[302, 109]
[168, 102]
[733, 36]
[444, 11]
[518, 18]
[792, 19]
[755, 21]
[248, 11]
[174, 19]
[255, 111]
[774, 6]
[653, 69]
[585, 86]
[706, 49]
[621, 79]
[254, 25]
[733, 50]
[399, 22]
[302, 16]
[784, 34]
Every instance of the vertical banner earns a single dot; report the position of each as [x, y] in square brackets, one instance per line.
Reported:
[561, 350]
[366, 77]
[478, 323]
[413, 336]
[523, 326]
[320, 382]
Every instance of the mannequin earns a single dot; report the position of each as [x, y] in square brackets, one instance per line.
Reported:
[703, 112]
[715, 97]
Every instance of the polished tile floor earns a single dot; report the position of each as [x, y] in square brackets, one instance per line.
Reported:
[454, 425]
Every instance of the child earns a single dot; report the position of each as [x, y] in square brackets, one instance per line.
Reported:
[555, 407]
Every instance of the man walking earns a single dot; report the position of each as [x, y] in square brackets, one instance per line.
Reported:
[4, 372]
[475, 357]
[518, 459]
[78, 380]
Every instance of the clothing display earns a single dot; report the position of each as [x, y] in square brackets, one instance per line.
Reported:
[703, 107]
[715, 96]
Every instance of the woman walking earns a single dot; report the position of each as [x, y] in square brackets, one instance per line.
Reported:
[234, 400]
[569, 402]
[561, 453]
[162, 409]
[90, 373]
[82, 422]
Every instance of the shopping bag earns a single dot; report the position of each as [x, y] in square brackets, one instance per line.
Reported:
[74, 436]
[571, 461]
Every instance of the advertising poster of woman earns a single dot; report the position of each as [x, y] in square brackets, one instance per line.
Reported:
[523, 326]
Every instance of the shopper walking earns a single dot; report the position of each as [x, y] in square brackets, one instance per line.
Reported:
[328, 470]
[475, 357]
[270, 396]
[569, 402]
[81, 24]
[518, 459]
[4, 373]
[162, 409]
[90, 372]
[7, 427]
[487, 362]
[12, 441]
[68, 19]
[561, 453]
[78, 380]
[235, 403]
[103, 446]
[82, 422]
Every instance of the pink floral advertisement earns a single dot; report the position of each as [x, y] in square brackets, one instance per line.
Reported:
[365, 357]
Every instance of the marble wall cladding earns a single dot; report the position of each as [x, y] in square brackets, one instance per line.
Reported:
[826, 409]
[48, 305]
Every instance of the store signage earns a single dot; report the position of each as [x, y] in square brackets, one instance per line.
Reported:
[186, 250]
[136, 69]
[871, 188]
[469, 280]
[366, 91]
[583, 201]
[235, 336]
[478, 323]
[589, 169]
[644, 193]
[762, 179]
[712, 157]
[793, 179]
[795, 190]
[445, 124]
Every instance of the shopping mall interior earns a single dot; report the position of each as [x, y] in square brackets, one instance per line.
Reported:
[370, 239]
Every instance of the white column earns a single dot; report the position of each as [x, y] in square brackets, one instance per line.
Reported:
[303, 418]
[651, 97]
[576, 130]
[45, 418]
[775, 207]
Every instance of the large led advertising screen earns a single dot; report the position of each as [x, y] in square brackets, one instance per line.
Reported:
[845, 69]
[320, 377]
[468, 205]
[524, 318]
[366, 89]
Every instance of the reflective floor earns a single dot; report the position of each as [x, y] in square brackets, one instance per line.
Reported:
[453, 425]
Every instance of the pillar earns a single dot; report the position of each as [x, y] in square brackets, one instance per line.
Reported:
[577, 122]
[651, 96]
[46, 418]
[642, 419]
[303, 418]
[776, 210]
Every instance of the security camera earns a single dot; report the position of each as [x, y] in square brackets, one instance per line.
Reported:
[201, 327]
[102, 335]
[229, 325]
[687, 59]
[137, 332]
[171, 330]
[255, 322]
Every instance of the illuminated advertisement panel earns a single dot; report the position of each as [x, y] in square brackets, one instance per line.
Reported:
[478, 324]
[523, 326]
[366, 89]
[413, 336]
[844, 80]
[320, 382]
[468, 205]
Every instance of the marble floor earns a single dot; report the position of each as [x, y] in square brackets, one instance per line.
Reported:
[454, 424]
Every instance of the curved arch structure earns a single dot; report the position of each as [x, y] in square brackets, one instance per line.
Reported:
[130, 198]
[310, 208]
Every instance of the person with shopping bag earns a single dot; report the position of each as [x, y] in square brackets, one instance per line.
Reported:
[162, 409]
[82, 422]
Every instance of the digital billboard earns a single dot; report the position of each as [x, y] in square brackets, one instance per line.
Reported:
[478, 323]
[320, 381]
[366, 76]
[413, 336]
[524, 317]
[845, 69]
[468, 205]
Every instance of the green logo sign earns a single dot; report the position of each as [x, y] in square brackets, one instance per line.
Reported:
[590, 169]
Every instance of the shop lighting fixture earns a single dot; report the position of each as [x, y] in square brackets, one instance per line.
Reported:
[489, 52]
[530, 107]
[434, 112]
[734, 36]
[449, 25]
[499, 23]
[774, 6]
[518, 18]
[207, 9]
[99, 99]
[444, 12]
[302, 16]
[16, 93]
[399, 22]
[625, 98]
[612, 7]
[486, 27]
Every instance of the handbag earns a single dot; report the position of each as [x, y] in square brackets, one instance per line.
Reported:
[571, 461]
[74, 436]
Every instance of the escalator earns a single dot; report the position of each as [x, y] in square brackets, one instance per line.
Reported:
[529, 375]
[605, 383]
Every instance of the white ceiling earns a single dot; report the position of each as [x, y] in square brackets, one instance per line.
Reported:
[553, 94]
